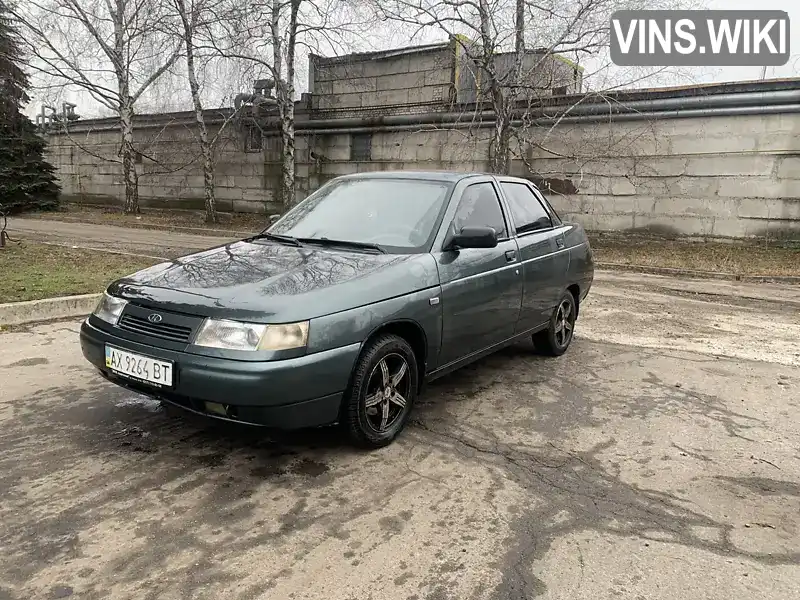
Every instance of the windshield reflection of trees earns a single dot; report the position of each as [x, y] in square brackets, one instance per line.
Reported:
[299, 212]
[371, 218]
[283, 270]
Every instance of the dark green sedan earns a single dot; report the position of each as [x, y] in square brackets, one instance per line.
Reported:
[343, 308]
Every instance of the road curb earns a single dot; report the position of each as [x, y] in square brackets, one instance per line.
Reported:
[19, 313]
[698, 274]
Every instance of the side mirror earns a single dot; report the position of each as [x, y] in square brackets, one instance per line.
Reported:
[273, 218]
[473, 237]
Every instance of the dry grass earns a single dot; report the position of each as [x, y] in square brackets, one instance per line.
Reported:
[152, 218]
[736, 259]
[31, 271]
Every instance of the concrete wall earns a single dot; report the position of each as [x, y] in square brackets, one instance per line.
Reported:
[718, 176]
[540, 76]
[382, 79]
[458, 150]
[170, 169]
[438, 75]
[733, 176]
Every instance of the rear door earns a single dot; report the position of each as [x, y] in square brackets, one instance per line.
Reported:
[481, 287]
[562, 255]
[538, 241]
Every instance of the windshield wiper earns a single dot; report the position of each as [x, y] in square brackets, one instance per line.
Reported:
[342, 244]
[284, 239]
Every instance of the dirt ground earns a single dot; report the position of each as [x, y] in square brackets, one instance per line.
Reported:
[153, 243]
[750, 258]
[658, 459]
[153, 218]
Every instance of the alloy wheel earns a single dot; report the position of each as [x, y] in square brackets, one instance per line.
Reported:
[565, 323]
[388, 390]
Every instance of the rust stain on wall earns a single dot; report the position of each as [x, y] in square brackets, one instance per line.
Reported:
[552, 185]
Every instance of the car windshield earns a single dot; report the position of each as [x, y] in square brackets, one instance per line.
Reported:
[394, 214]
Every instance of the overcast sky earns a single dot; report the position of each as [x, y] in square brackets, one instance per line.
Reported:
[170, 98]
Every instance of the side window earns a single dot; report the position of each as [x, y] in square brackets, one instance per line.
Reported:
[528, 212]
[254, 139]
[553, 214]
[480, 207]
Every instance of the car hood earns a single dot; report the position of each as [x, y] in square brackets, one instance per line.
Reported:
[266, 282]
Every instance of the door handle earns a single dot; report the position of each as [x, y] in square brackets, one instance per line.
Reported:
[511, 255]
[560, 242]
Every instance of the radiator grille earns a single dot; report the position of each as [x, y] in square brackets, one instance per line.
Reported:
[165, 331]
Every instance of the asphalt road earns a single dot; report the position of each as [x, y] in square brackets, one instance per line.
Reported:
[658, 459]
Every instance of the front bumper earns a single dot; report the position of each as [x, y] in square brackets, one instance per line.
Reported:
[285, 394]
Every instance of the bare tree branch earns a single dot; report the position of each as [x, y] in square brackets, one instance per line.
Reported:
[98, 47]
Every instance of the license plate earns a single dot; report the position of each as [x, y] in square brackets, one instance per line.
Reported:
[142, 368]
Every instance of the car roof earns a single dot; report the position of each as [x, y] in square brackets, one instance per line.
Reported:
[431, 175]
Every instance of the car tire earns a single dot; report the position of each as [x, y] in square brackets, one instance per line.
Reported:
[381, 393]
[555, 340]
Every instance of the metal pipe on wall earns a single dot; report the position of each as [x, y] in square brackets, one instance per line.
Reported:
[761, 100]
[541, 122]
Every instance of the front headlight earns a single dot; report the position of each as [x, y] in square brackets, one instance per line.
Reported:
[235, 335]
[109, 308]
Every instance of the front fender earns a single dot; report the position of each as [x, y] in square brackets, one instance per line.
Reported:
[357, 324]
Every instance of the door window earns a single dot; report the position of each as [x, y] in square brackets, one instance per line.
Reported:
[528, 212]
[480, 207]
[553, 214]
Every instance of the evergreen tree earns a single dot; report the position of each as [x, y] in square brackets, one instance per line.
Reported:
[27, 180]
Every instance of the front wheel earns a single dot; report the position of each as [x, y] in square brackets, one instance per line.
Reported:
[555, 340]
[383, 389]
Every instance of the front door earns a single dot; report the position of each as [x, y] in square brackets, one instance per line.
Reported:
[481, 287]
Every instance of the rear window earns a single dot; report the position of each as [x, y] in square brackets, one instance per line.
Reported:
[529, 214]
[553, 214]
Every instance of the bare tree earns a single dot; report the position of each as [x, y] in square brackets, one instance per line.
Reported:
[492, 36]
[242, 36]
[190, 13]
[271, 34]
[111, 49]
[284, 42]
[197, 21]
[522, 52]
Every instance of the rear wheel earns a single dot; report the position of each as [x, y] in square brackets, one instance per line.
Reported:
[555, 340]
[383, 389]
